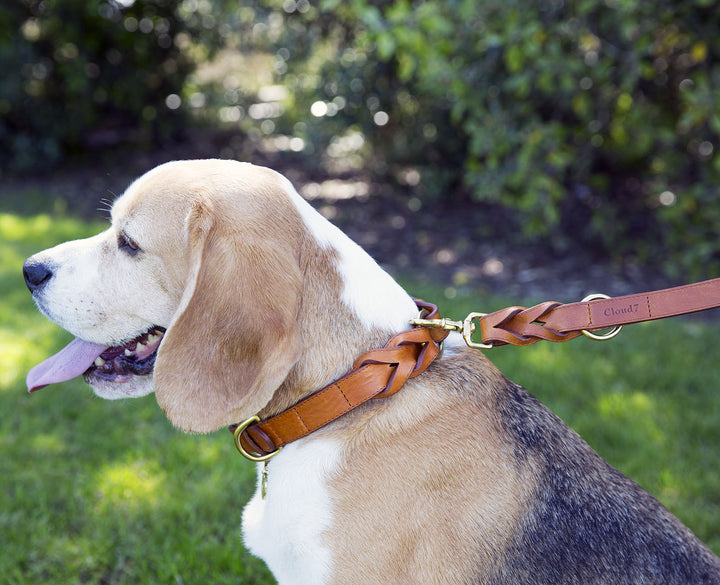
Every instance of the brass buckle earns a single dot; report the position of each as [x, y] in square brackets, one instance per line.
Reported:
[599, 336]
[251, 456]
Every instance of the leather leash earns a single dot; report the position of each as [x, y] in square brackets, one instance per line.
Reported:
[553, 321]
[382, 372]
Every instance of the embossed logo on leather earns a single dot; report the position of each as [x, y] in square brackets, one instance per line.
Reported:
[631, 308]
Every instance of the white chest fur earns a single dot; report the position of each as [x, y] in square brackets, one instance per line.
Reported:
[285, 528]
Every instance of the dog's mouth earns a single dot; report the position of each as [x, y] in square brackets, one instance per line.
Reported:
[115, 364]
[136, 358]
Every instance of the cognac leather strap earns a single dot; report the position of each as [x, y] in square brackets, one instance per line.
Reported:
[382, 372]
[553, 321]
[376, 373]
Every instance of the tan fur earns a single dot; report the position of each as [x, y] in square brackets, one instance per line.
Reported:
[229, 285]
[262, 304]
[331, 337]
[410, 507]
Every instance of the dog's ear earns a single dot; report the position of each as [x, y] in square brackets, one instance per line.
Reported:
[234, 338]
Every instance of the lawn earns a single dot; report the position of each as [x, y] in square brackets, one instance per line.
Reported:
[109, 493]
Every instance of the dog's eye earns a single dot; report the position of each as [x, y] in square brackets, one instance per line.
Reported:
[127, 244]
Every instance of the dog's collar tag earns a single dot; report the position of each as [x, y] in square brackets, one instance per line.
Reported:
[264, 480]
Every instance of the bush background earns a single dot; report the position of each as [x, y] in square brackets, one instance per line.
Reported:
[589, 124]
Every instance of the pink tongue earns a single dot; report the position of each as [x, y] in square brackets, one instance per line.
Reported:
[68, 363]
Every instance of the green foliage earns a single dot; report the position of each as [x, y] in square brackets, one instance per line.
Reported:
[596, 122]
[81, 75]
[592, 123]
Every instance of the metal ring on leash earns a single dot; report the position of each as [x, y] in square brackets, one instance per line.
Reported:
[599, 336]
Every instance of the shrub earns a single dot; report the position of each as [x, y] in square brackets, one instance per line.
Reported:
[89, 74]
[595, 121]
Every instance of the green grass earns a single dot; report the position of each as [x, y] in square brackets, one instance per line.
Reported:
[101, 492]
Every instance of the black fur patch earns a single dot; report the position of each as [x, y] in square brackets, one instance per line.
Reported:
[589, 523]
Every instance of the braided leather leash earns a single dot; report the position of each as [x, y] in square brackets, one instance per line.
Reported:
[552, 321]
[382, 372]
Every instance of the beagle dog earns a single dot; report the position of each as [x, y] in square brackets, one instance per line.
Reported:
[220, 289]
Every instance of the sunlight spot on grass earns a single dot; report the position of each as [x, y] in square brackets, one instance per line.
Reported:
[23, 345]
[543, 355]
[26, 337]
[670, 485]
[13, 352]
[209, 452]
[13, 227]
[11, 260]
[543, 359]
[633, 417]
[44, 230]
[618, 405]
[131, 484]
[48, 444]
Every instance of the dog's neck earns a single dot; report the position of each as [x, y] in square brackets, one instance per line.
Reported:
[350, 305]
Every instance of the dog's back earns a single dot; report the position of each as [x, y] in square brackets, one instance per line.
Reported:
[589, 523]
[464, 477]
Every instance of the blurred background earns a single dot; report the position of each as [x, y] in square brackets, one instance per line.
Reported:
[586, 128]
[488, 153]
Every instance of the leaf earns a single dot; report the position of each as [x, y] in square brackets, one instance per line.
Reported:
[514, 58]
[386, 45]
[328, 5]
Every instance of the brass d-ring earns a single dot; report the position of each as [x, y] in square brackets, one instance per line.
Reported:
[251, 456]
[599, 336]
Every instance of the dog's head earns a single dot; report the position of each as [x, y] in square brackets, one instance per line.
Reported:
[181, 292]
[210, 287]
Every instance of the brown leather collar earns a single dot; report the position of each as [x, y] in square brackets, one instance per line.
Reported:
[376, 373]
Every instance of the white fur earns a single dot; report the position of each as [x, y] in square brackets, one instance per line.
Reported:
[286, 527]
[76, 266]
[371, 293]
[99, 295]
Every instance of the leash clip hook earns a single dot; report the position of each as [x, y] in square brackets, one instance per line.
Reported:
[469, 328]
[466, 328]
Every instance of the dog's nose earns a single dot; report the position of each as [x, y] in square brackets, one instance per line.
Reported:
[36, 274]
